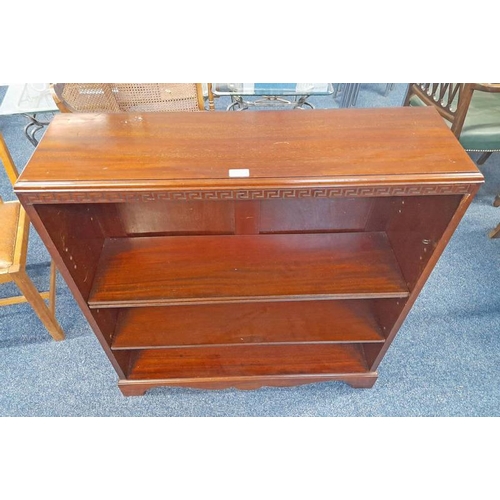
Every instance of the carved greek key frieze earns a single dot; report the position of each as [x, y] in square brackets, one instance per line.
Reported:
[245, 194]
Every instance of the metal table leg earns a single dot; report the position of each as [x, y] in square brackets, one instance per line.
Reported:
[350, 93]
[356, 93]
[238, 103]
[33, 127]
[302, 101]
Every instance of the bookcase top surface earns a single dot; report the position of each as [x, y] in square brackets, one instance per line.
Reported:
[254, 148]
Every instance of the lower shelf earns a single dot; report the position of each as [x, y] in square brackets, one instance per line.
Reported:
[254, 324]
[211, 363]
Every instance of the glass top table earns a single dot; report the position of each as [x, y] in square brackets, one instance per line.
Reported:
[294, 95]
[30, 100]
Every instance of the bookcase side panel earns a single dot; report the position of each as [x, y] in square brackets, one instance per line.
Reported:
[434, 224]
[74, 237]
[414, 226]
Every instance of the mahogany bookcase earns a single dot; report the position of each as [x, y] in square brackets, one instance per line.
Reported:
[216, 250]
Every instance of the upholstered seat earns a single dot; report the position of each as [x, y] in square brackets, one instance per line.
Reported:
[481, 129]
[9, 218]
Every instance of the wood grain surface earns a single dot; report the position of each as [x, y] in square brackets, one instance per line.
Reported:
[207, 269]
[240, 361]
[254, 324]
[310, 147]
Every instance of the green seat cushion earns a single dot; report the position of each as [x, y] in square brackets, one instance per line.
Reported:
[481, 130]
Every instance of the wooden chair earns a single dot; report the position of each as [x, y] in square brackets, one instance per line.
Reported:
[127, 97]
[472, 111]
[14, 231]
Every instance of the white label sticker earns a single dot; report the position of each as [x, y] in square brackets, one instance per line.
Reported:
[239, 172]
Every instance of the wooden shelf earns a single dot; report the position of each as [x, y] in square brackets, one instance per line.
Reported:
[246, 361]
[246, 324]
[174, 270]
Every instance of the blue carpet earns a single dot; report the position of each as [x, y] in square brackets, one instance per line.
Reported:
[444, 361]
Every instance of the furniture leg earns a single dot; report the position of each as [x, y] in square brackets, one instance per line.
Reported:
[33, 127]
[211, 100]
[127, 391]
[483, 157]
[346, 96]
[496, 203]
[134, 390]
[495, 233]
[237, 104]
[302, 101]
[350, 94]
[363, 382]
[52, 288]
[32, 295]
[388, 88]
[356, 93]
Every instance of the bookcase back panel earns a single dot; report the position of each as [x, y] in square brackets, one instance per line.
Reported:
[177, 217]
[297, 215]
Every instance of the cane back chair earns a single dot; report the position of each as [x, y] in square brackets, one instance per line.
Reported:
[127, 97]
[14, 231]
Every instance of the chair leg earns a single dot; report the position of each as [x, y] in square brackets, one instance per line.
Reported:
[388, 88]
[52, 288]
[495, 233]
[211, 100]
[483, 157]
[46, 316]
[496, 202]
